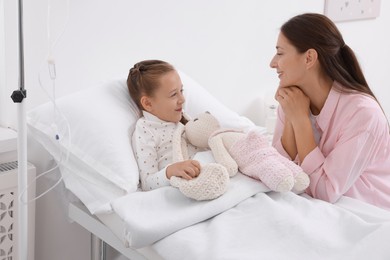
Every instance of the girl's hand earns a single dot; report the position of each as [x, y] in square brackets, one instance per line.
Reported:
[295, 104]
[188, 169]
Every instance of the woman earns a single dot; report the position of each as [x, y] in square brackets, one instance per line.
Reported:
[329, 120]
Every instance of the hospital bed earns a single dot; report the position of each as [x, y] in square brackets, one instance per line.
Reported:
[88, 132]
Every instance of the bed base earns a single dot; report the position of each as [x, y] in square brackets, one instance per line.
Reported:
[100, 234]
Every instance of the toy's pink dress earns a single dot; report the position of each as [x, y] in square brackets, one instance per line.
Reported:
[258, 159]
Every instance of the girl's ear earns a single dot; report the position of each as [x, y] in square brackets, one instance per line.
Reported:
[146, 103]
[311, 58]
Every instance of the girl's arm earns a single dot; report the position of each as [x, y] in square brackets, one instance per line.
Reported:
[146, 155]
[144, 146]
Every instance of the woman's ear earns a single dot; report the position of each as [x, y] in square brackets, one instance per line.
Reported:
[146, 103]
[311, 58]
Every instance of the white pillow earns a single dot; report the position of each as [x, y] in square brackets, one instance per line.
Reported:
[199, 100]
[100, 155]
[101, 164]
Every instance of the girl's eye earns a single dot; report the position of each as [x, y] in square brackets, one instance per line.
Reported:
[278, 53]
[176, 93]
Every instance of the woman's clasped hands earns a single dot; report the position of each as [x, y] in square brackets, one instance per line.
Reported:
[294, 102]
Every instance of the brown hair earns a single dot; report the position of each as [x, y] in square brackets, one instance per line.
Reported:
[316, 31]
[144, 78]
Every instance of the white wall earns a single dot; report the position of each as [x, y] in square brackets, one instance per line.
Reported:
[226, 45]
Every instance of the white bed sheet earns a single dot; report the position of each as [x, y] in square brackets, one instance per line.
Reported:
[285, 226]
[271, 225]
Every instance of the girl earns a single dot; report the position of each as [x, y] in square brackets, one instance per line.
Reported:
[156, 88]
[329, 121]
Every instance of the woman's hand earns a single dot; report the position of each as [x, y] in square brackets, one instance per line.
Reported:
[188, 169]
[298, 137]
[294, 102]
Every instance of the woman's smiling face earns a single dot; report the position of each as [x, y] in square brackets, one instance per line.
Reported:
[289, 63]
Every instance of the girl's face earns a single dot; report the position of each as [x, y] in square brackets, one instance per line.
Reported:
[167, 100]
[289, 63]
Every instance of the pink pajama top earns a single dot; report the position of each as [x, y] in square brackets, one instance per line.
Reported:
[352, 157]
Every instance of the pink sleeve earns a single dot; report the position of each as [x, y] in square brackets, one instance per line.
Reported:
[332, 175]
[353, 149]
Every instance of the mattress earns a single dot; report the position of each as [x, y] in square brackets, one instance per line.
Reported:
[109, 227]
[117, 226]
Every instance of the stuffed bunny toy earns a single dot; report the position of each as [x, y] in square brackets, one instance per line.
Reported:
[249, 152]
[212, 181]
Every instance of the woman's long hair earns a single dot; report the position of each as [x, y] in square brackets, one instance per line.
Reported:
[316, 31]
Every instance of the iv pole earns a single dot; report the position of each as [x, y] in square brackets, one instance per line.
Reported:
[18, 97]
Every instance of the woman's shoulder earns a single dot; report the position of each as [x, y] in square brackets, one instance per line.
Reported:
[363, 109]
[359, 102]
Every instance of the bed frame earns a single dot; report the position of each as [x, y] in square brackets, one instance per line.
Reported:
[101, 235]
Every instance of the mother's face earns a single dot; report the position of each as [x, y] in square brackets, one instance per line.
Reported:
[289, 63]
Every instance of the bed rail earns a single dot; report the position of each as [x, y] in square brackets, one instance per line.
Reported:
[101, 234]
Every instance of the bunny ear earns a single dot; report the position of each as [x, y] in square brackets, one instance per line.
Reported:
[186, 116]
[177, 144]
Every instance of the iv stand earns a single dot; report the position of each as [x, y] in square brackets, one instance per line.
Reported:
[18, 97]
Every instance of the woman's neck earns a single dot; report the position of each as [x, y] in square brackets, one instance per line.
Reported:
[318, 93]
